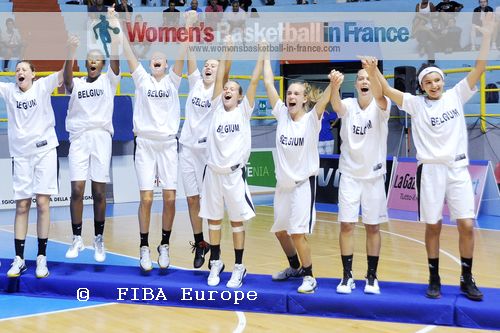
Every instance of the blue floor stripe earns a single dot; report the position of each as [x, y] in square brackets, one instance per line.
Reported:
[15, 306]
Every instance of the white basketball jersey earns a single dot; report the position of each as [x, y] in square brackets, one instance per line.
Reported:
[31, 118]
[198, 112]
[229, 136]
[296, 146]
[91, 104]
[157, 107]
[438, 127]
[363, 151]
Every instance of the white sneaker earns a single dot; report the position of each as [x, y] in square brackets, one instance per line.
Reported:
[371, 286]
[99, 250]
[346, 286]
[164, 257]
[146, 264]
[75, 247]
[216, 267]
[308, 285]
[41, 267]
[18, 267]
[236, 280]
[287, 273]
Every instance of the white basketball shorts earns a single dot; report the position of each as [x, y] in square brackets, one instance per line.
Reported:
[156, 158]
[437, 182]
[192, 162]
[294, 208]
[35, 174]
[231, 189]
[367, 193]
[90, 156]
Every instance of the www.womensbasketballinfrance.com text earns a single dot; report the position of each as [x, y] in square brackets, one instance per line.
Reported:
[296, 48]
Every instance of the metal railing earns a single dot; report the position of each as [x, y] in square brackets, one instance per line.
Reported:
[482, 115]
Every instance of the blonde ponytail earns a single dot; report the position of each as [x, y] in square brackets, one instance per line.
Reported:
[313, 95]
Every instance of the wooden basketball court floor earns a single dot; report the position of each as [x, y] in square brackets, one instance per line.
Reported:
[402, 259]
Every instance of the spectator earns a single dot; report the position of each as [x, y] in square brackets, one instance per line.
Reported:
[171, 15]
[123, 7]
[10, 43]
[236, 17]
[425, 7]
[477, 18]
[269, 2]
[235, 7]
[430, 39]
[213, 7]
[97, 7]
[223, 3]
[245, 4]
[194, 6]
[449, 6]
[451, 39]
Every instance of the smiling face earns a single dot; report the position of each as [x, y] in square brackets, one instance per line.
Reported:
[231, 95]
[433, 85]
[210, 71]
[158, 64]
[296, 99]
[362, 84]
[94, 64]
[25, 75]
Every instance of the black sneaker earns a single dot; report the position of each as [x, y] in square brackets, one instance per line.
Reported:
[434, 288]
[199, 250]
[468, 287]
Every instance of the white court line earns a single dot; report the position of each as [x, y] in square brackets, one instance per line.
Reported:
[452, 257]
[426, 329]
[57, 311]
[242, 322]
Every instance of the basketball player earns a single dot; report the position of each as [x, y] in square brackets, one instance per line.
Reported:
[362, 167]
[156, 123]
[224, 179]
[440, 136]
[90, 127]
[297, 165]
[32, 146]
[193, 144]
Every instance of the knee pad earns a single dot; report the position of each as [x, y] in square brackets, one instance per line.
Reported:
[240, 228]
[214, 226]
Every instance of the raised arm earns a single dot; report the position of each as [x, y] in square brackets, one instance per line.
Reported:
[325, 97]
[223, 70]
[67, 71]
[219, 80]
[272, 93]
[227, 68]
[336, 79]
[395, 95]
[252, 87]
[179, 62]
[191, 60]
[486, 30]
[133, 63]
[370, 65]
[114, 60]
